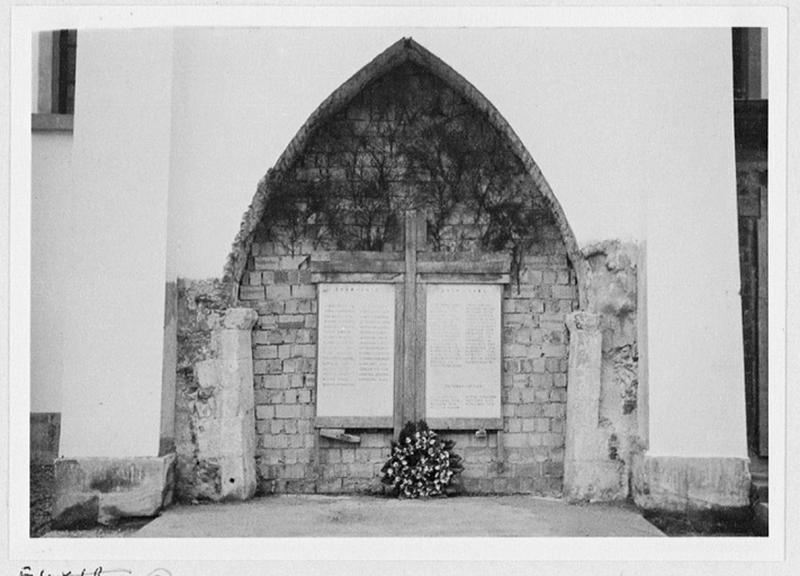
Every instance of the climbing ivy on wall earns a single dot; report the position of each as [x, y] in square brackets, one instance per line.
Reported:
[407, 141]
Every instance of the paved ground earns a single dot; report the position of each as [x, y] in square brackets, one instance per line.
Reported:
[345, 516]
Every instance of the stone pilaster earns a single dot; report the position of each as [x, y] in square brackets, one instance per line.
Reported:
[589, 472]
[225, 430]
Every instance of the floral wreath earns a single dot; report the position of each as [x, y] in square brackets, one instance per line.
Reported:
[421, 463]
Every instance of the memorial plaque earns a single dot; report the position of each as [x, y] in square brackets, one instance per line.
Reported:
[462, 351]
[355, 357]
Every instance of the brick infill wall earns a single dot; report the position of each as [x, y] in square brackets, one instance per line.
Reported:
[292, 458]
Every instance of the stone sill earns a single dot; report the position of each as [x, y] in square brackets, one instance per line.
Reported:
[51, 122]
[103, 490]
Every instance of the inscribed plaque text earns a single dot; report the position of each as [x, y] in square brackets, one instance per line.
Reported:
[356, 350]
[462, 351]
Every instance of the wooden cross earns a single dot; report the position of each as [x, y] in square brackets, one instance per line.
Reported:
[409, 270]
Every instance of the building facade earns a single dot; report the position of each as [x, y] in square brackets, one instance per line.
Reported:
[619, 342]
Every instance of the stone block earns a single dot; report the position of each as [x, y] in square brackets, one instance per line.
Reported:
[270, 366]
[292, 321]
[517, 319]
[682, 484]
[515, 351]
[240, 318]
[92, 490]
[540, 425]
[291, 262]
[304, 350]
[530, 276]
[264, 352]
[265, 412]
[116, 505]
[265, 262]
[564, 292]
[267, 322]
[251, 292]
[539, 364]
[278, 292]
[276, 381]
[304, 291]
[287, 411]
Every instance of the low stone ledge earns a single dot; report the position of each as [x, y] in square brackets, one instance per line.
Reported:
[681, 484]
[103, 490]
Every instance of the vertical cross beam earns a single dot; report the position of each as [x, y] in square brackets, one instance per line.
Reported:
[408, 403]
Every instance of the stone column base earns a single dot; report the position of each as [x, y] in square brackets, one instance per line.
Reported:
[593, 480]
[677, 484]
[103, 490]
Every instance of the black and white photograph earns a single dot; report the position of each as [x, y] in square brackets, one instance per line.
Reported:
[398, 285]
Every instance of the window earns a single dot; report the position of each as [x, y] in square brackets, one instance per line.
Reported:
[63, 83]
[54, 80]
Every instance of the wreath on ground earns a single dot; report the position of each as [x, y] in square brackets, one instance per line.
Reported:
[421, 464]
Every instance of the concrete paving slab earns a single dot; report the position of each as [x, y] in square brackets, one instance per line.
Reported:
[352, 516]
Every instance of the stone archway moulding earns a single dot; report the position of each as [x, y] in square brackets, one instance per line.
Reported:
[405, 49]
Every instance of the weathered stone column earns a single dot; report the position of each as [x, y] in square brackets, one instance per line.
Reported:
[589, 474]
[225, 430]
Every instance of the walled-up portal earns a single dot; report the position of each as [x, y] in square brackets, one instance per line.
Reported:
[407, 260]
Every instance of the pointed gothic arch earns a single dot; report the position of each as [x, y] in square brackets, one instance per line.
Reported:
[403, 51]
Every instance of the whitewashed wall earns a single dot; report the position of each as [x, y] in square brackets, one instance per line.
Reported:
[109, 229]
[596, 109]
[51, 196]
